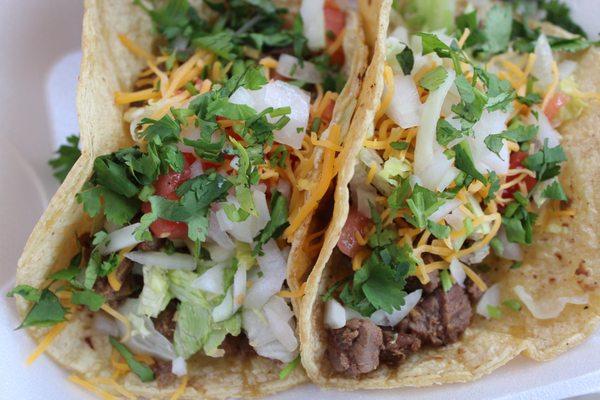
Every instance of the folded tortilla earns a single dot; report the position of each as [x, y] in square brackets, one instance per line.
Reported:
[108, 67]
[557, 264]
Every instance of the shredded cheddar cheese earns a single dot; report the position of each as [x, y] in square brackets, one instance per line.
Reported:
[359, 258]
[118, 388]
[293, 294]
[181, 389]
[91, 387]
[268, 62]
[475, 278]
[388, 77]
[45, 342]
[135, 48]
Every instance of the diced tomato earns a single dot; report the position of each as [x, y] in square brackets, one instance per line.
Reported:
[335, 21]
[516, 161]
[165, 186]
[356, 222]
[555, 104]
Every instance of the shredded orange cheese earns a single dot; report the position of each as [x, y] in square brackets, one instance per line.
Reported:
[135, 48]
[475, 278]
[268, 62]
[45, 342]
[324, 143]
[485, 240]
[371, 174]
[91, 387]
[118, 388]
[358, 259]
[181, 389]
[388, 78]
[131, 97]
[337, 43]
[294, 294]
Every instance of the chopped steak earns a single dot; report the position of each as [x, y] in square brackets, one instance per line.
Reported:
[441, 317]
[397, 346]
[354, 349]
[165, 321]
[151, 245]
[473, 291]
[128, 284]
[162, 373]
[413, 283]
[237, 346]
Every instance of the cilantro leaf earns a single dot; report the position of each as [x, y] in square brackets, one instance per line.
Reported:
[519, 134]
[277, 223]
[143, 371]
[92, 300]
[464, 161]
[406, 60]
[559, 14]
[434, 78]
[47, 311]
[289, 367]
[66, 156]
[554, 191]
[497, 30]
[27, 292]
[446, 133]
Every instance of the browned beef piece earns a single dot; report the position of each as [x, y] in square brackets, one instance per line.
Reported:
[165, 321]
[354, 349]
[162, 373]
[237, 346]
[129, 284]
[441, 317]
[397, 346]
[151, 245]
[413, 283]
[473, 291]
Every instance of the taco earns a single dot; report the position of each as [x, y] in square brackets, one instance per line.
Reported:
[208, 134]
[467, 233]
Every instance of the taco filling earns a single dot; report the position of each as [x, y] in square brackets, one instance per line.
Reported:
[464, 162]
[195, 219]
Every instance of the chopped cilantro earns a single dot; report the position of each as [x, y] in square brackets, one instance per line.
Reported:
[289, 367]
[143, 371]
[46, 310]
[27, 292]
[513, 304]
[277, 223]
[464, 161]
[445, 280]
[406, 60]
[519, 134]
[66, 156]
[494, 312]
[92, 300]
[434, 78]
[554, 191]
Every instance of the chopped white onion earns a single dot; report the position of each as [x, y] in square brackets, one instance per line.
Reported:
[179, 366]
[335, 315]
[273, 267]
[163, 260]
[289, 66]
[485, 159]
[261, 338]
[405, 107]
[217, 235]
[431, 165]
[546, 131]
[382, 318]
[491, 297]
[444, 210]
[548, 308]
[458, 272]
[239, 287]
[352, 314]
[477, 256]
[101, 323]
[279, 94]
[284, 187]
[224, 310]
[196, 169]
[278, 315]
[245, 231]
[542, 67]
[211, 281]
[313, 15]
[510, 250]
[120, 239]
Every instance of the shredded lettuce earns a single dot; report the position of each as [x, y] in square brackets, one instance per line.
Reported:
[429, 15]
[575, 105]
[394, 167]
[155, 294]
[180, 284]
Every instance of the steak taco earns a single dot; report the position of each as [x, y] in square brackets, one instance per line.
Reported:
[210, 134]
[467, 232]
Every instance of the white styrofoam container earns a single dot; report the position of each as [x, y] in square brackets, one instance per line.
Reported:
[40, 41]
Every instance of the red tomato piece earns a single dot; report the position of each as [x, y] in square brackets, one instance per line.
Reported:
[555, 104]
[356, 222]
[165, 186]
[516, 161]
[335, 21]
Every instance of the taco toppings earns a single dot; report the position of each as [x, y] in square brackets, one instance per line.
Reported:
[196, 218]
[464, 162]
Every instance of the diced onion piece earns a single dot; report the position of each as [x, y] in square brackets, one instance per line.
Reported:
[546, 131]
[245, 231]
[352, 314]
[382, 318]
[179, 367]
[549, 308]
[491, 297]
[542, 67]
[261, 338]
[510, 250]
[444, 210]
[101, 323]
[272, 266]
[211, 281]
[121, 239]
[458, 272]
[279, 94]
[477, 256]
[196, 169]
[224, 310]
[163, 260]
[335, 315]
[405, 107]
[431, 165]
[278, 315]
[313, 15]
[284, 187]
[217, 235]
[486, 160]
[239, 288]
[289, 67]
